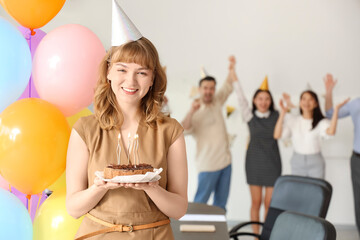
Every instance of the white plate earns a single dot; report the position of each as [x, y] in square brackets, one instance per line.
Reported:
[138, 178]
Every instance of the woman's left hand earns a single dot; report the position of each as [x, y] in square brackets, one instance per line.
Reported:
[141, 186]
[342, 104]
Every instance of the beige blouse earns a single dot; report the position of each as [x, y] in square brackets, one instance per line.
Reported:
[126, 205]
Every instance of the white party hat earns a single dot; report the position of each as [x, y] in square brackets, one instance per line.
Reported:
[203, 72]
[123, 30]
[308, 87]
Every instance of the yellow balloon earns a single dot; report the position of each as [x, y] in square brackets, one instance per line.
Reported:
[52, 220]
[73, 119]
[34, 136]
[59, 184]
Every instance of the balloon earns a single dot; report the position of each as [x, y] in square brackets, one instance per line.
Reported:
[65, 67]
[33, 13]
[33, 144]
[15, 222]
[15, 64]
[73, 119]
[3, 183]
[34, 201]
[33, 42]
[3, 4]
[52, 220]
[59, 184]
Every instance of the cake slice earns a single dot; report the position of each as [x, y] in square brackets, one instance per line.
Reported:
[112, 171]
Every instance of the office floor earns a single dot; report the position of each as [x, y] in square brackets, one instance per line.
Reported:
[343, 232]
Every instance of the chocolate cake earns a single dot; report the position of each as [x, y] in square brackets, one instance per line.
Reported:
[112, 171]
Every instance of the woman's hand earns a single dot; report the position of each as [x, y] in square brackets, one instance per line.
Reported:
[98, 182]
[283, 108]
[329, 82]
[287, 100]
[338, 106]
[141, 186]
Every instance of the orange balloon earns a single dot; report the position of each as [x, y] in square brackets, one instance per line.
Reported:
[3, 4]
[33, 13]
[34, 135]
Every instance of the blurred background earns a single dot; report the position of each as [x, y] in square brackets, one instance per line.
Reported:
[293, 42]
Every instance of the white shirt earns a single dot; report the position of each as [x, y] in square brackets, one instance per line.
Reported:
[305, 139]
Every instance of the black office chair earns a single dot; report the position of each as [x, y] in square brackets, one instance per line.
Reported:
[296, 226]
[310, 196]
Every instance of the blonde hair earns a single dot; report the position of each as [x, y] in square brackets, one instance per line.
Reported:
[106, 108]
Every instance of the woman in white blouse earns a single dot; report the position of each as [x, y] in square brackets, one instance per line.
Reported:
[306, 131]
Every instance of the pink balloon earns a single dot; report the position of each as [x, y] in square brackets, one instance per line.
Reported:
[65, 67]
[33, 42]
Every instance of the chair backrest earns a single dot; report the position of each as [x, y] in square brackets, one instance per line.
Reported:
[296, 226]
[310, 196]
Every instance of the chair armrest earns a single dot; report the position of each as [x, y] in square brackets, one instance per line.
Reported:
[237, 234]
[240, 225]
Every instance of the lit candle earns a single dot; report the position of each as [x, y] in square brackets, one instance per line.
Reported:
[136, 148]
[118, 150]
[129, 147]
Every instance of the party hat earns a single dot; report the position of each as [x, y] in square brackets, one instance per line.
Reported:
[123, 30]
[203, 72]
[264, 85]
[308, 87]
[229, 110]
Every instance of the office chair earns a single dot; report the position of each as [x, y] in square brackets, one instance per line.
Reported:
[310, 196]
[296, 226]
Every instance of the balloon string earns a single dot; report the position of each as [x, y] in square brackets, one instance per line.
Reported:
[38, 204]
[28, 205]
[30, 53]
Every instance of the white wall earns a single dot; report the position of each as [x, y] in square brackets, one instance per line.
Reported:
[293, 42]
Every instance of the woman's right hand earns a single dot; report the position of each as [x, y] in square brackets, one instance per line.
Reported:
[98, 182]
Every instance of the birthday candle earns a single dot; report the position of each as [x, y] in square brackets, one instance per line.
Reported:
[128, 149]
[118, 150]
[136, 147]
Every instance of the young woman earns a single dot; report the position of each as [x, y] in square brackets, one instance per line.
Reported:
[263, 163]
[128, 99]
[306, 131]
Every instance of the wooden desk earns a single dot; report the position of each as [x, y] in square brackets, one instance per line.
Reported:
[221, 232]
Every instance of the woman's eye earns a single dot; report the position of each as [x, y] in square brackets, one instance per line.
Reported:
[121, 70]
[142, 73]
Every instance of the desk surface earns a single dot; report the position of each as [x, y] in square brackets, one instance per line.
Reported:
[198, 208]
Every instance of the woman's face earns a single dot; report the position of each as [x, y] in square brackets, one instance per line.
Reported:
[262, 102]
[130, 82]
[307, 102]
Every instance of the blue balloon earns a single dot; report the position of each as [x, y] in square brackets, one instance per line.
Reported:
[15, 64]
[15, 221]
